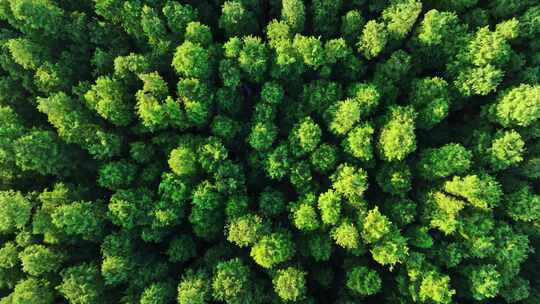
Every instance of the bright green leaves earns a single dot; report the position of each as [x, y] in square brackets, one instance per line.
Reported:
[349, 181]
[304, 137]
[109, 99]
[293, 14]
[15, 211]
[42, 152]
[253, 57]
[507, 149]
[304, 214]
[32, 290]
[192, 60]
[329, 204]
[445, 161]
[236, 19]
[373, 40]
[346, 235]
[445, 214]
[523, 204]
[436, 287]
[183, 161]
[82, 284]
[400, 17]
[310, 49]
[263, 135]
[483, 191]
[85, 219]
[375, 226]
[37, 260]
[290, 284]
[344, 115]
[359, 142]
[431, 100]
[397, 138]
[363, 281]
[75, 125]
[194, 288]
[273, 249]
[484, 281]
[518, 107]
[245, 230]
[232, 281]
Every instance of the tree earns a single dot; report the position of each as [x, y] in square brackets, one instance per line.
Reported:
[237, 20]
[160, 292]
[436, 287]
[329, 204]
[506, 150]
[431, 100]
[363, 281]
[351, 24]
[444, 161]
[397, 138]
[182, 248]
[108, 98]
[194, 288]
[37, 260]
[373, 40]
[375, 226]
[273, 249]
[400, 17]
[245, 230]
[395, 178]
[293, 14]
[304, 137]
[253, 57]
[85, 219]
[290, 284]
[232, 281]
[326, 17]
[82, 284]
[481, 191]
[117, 175]
[484, 281]
[32, 290]
[15, 211]
[183, 161]
[75, 125]
[518, 107]
[349, 181]
[346, 235]
[359, 142]
[192, 60]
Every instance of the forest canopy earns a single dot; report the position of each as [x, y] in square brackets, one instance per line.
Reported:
[269, 151]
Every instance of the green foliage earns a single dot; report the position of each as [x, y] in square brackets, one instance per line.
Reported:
[231, 281]
[245, 230]
[444, 161]
[290, 284]
[15, 211]
[293, 14]
[363, 281]
[273, 249]
[194, 288]
[38, 259]
[82, 284]
[519, 106]
[397, 138]
[282, 151]
[373, 40]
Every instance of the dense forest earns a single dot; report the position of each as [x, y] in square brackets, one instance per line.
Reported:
[269, 151]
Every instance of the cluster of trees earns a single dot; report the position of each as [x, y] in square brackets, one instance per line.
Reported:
[273, 151]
